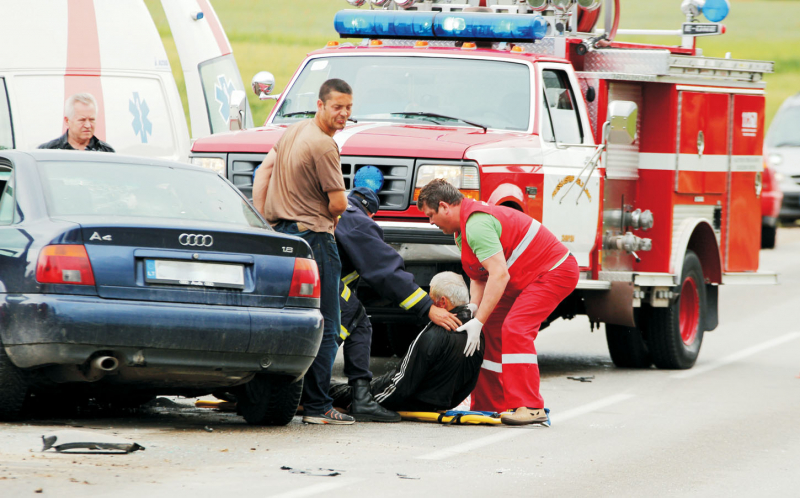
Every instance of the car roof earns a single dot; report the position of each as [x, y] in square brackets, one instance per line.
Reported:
[41, 155]
[792, 101]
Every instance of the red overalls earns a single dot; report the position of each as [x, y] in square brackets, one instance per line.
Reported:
[509, 377]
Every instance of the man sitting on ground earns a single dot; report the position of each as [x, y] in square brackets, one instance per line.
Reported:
[435, 374]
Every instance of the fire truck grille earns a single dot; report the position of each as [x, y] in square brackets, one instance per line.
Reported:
[397, 175]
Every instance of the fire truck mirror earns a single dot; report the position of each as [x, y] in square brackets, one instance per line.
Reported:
[622, 116]
[263, 83]
[238, 108]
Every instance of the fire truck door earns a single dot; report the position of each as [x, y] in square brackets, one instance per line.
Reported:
[569, 210]
[743, 220]
[207, 62]
[703, 143]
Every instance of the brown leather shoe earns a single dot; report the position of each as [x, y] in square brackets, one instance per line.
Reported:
[524, 416]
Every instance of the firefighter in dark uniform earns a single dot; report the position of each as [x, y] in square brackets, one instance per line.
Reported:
[366, 255]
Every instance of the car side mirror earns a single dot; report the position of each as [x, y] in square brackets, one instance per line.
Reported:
[263, 83]
[621, 129]
[238, 110]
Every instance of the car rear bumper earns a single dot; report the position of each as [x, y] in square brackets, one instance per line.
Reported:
[180, 344]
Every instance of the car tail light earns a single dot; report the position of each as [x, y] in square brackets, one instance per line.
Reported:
[64, 264]
[305, 279]
[767, 179]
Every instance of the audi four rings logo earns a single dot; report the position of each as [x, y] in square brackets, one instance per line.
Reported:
[196, 239]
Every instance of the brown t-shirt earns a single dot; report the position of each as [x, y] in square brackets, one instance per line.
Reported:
[306, 168]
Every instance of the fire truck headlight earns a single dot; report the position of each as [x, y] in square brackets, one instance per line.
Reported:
[775, 159]
[216, 164]
[464, 178]
[716, 10]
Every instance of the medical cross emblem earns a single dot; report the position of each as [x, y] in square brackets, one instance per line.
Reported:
[141, 124]
[222, 94]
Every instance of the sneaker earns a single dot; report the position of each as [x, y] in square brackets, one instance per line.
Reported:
[525, 416]
[332, 417]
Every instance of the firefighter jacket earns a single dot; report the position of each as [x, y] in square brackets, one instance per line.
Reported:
[364, 254]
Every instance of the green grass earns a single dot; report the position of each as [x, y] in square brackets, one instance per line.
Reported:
[275, 36]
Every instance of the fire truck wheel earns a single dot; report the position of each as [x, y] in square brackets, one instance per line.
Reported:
[676, 332]
[768, 234]
[627, 347]
[269, 400]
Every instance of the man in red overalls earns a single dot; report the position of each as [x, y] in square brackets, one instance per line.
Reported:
[519, 272]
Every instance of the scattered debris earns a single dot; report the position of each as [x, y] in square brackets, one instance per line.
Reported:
[88, 440]
[208, 429]
[403, 476]
[40, 490]
[162, 402]
[314, 472]
[582, 379]
[224, 406]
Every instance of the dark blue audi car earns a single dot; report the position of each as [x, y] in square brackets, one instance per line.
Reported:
[122, 278]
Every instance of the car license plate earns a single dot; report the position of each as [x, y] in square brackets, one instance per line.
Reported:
[192, 273]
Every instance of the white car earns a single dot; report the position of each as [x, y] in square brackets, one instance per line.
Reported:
[782, 149]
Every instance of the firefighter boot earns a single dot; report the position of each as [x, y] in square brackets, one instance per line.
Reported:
[364, 407]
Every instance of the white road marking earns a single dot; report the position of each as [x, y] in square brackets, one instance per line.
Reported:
[502, 435]
[318, 488]
[736, 356]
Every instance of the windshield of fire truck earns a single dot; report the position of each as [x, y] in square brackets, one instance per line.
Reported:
[495, 94]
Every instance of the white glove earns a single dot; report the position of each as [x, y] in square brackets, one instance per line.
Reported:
[473, 330]
[473, 308]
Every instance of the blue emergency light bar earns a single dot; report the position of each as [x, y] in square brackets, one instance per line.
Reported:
[439, 25]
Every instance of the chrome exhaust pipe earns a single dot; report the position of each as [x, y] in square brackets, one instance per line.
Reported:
[100, 366]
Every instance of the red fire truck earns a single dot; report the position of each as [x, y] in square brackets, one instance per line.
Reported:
[644, 160]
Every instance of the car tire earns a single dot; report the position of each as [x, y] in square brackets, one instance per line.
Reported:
[627, 347]
[381, 344]
[269, 400]
[13, 388]
[675, 333]
[768, 235]
[401, 337]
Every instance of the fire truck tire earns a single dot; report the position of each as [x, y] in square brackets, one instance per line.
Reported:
[269, 400]
[627, 347]
[13, 388]
[675, 333]
[768, 234]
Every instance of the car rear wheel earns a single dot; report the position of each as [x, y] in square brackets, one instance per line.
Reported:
[768, 234]
[675, 333]
[269, 400]
[627, 347]
[13, 388]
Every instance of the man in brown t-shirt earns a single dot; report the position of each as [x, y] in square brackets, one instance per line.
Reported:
[300, 190]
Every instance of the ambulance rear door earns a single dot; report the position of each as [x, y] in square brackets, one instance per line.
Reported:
[209, 69]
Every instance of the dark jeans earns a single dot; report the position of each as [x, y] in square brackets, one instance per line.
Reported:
[318, 378]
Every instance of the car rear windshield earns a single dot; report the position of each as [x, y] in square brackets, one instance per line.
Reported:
[141, 190]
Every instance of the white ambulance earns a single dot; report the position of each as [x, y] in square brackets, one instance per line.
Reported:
[52, 49]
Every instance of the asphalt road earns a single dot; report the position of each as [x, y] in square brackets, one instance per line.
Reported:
[728, 427]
